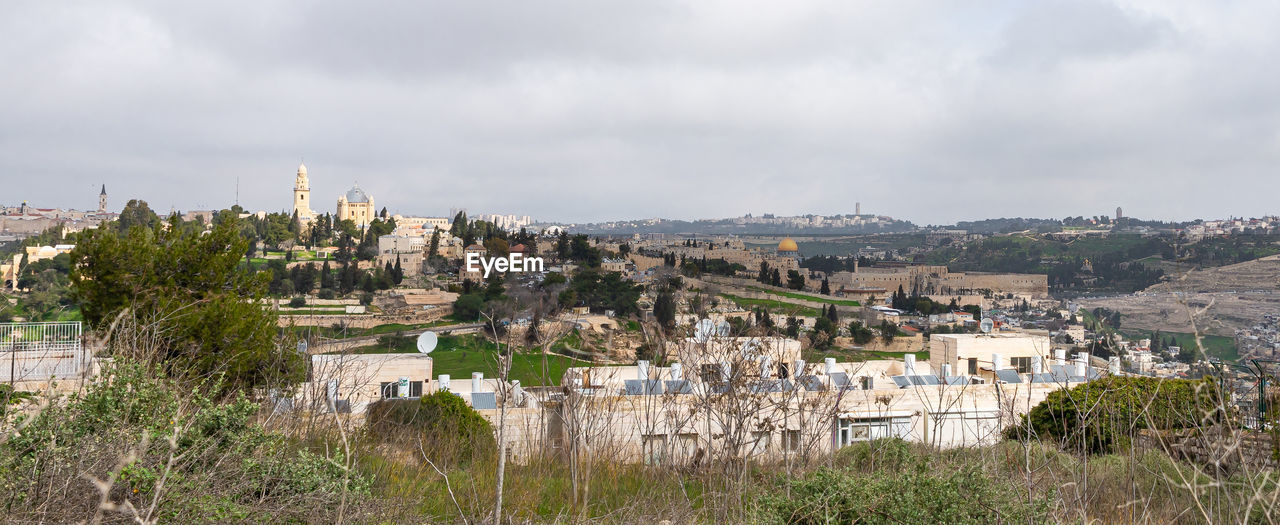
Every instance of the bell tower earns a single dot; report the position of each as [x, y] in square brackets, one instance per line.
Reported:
[302, 195]
[102, 200]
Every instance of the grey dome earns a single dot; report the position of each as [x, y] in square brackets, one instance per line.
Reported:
[355, 194]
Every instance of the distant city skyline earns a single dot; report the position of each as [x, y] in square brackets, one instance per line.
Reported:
[588, 111]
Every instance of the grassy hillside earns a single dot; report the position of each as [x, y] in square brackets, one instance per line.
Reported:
[774, 307]
[1221, 347]
[460, 355]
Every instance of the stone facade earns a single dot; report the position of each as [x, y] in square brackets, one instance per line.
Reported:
[302, 195]
[356, 206]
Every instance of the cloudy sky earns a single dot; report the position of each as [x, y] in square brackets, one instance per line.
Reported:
[590, 110]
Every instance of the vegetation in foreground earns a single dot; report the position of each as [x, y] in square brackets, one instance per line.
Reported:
[141, 444]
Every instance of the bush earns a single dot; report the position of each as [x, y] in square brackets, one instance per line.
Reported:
[8, 396]
[451, 431]
[224, 466]
[326, 293]
[467, 307]
[298, 301]
[1103, 415]
[902, 488]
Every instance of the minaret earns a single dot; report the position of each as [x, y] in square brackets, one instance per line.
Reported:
[302, 195]
[102, 200]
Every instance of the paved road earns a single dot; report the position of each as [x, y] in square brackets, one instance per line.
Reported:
[337, 345]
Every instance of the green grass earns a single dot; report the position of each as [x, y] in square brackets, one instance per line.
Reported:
[1218, 346]
[390, 328]
[772, 305]
[460, 355]
[803, 297]
[847, 355]
[315, 311]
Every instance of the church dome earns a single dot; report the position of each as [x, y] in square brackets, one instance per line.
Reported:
[355, 194]
[788, 245]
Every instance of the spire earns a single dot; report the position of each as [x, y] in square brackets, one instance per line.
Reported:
[104, 190]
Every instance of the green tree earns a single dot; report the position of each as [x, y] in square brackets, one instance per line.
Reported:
[580, 250]
[459, 225]
[326, 276]
[861, 334]
[136, 213]
[795, 281]
[888, 331]
[664, 310]
[562, 245]
[793, 327]
[189, 289]
[467, 307]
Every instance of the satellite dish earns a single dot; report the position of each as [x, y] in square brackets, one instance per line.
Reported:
[427, 342]
[986, 325]
[723, 329]
[704, 329]
[302, 346]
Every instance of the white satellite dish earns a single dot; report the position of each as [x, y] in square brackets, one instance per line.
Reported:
[427, 342]
[704, 329]
[302, 346]
[986, 325]
[723, 329]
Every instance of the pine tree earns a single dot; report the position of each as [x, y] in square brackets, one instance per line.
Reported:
[326, 276]
[434, 249]
[826, 287]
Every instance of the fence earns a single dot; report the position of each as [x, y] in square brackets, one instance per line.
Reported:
[1252, 388]
[41, 351]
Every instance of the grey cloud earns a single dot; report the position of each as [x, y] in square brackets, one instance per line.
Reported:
[596, 110]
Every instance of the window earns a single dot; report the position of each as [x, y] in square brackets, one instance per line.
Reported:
[655, 449]
[791, 440]
[415, 389]
[388, 389]
[710, 373]
[973, 366]
[686, 446]
[1023, 364]
[759, 444]
[851, 430]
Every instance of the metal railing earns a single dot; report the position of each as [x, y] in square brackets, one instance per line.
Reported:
[41, 351]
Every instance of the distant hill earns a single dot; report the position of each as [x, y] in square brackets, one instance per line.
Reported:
[1258, 274]
[1221, 300]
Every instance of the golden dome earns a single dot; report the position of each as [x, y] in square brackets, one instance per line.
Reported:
[788, 245]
